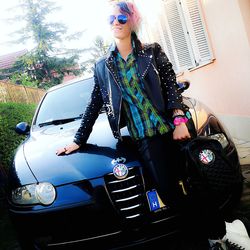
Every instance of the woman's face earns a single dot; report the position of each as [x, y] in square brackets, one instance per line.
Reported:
[119, 30]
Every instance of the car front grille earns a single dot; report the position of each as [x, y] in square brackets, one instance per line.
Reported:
[127, 194]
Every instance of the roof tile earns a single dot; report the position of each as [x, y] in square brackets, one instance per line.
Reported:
[6, 61]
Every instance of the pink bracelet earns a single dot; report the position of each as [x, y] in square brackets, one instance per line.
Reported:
[179, 120]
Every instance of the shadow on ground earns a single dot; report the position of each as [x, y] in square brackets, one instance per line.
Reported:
[244, 208]
[8, 239]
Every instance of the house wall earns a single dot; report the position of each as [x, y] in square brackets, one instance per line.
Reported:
[245, 8]
[224, 84]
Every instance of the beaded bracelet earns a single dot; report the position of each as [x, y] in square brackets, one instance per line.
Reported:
[177, 116]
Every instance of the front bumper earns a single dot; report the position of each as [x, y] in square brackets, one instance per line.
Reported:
[85, 213]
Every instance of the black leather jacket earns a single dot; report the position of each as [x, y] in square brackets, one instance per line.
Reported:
[159, 80]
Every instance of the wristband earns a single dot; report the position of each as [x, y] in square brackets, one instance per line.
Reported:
[179, 120]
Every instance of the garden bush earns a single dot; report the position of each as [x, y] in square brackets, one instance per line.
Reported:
[10, 115]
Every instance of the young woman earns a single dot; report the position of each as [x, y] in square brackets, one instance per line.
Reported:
[137, 83]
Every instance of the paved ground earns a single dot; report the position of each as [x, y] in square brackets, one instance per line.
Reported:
[244, 208]
[243, 148]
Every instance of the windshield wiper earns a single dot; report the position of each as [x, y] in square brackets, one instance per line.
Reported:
[60, 121]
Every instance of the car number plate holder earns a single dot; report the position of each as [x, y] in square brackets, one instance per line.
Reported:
[154, 201]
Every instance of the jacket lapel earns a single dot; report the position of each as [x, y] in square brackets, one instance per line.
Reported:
[144, 61]
[110, 63]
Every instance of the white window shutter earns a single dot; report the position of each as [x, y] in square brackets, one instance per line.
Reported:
[197, 32]
[181, 32]
[177, 35]
[166, 43]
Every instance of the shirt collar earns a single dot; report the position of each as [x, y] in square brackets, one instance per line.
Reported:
[113, 49]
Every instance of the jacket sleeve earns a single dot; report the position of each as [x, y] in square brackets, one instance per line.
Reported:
[90, 115]
[168, 79]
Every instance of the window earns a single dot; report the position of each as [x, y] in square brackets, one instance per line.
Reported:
[181, 32]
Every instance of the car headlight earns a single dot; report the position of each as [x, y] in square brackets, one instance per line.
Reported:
[39, 193]
[221, 138]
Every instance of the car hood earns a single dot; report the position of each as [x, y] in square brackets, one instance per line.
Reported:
[38, 154]
[94, 160]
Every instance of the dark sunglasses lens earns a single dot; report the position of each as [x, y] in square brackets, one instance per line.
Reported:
[111, 19]
[122, 19]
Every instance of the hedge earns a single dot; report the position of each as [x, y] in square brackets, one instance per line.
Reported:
[10, 115]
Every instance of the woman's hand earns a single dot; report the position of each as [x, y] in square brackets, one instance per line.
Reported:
[181, 132]
[67, 149]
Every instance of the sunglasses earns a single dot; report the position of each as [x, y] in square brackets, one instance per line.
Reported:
[122, 19]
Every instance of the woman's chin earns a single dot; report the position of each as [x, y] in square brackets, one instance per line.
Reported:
[117, 34]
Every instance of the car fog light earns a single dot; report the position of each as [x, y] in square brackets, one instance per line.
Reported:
[221, 138]
[41, 193]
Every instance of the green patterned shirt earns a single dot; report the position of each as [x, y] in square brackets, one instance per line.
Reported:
[143, 120]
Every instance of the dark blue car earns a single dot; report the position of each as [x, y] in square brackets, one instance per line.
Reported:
[99, 195]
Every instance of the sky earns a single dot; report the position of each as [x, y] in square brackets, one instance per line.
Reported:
[77, 15]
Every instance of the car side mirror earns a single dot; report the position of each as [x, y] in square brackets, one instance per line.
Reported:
[183, 85]
[22, 128]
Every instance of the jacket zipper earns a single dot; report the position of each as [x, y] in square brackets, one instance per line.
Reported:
[156, 71]
[120, 104]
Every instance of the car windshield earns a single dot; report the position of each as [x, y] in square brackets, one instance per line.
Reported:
[64, 104]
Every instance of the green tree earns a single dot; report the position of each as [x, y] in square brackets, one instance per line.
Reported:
[98, 50]
[46, 64]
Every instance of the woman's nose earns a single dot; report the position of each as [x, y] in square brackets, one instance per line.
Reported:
[115, 21]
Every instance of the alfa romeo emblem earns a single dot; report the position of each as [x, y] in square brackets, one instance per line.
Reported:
[120, 171]
[206, 156]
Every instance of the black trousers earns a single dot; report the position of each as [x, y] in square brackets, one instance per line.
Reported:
[162, 158]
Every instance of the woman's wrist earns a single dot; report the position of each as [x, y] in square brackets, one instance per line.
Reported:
[178, 112]
[78, 143]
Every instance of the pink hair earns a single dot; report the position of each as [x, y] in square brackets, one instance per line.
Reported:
[135, 17]
[131, 11]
